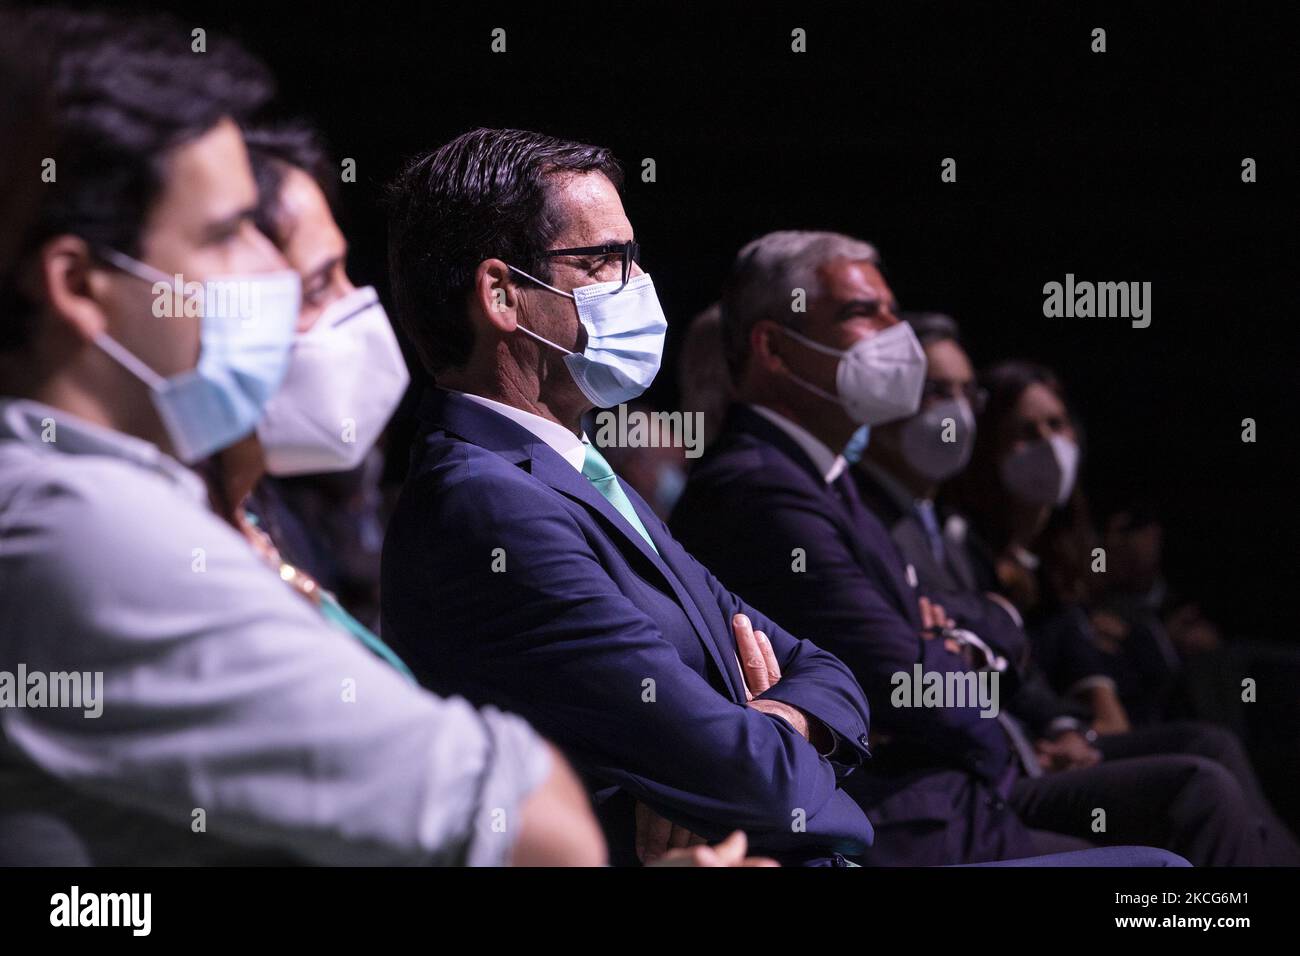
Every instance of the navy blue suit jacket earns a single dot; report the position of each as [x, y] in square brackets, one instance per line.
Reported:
[509, 579]
[952, 583]
[753, 505]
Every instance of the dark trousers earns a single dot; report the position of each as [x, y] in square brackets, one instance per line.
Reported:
[1185, 786]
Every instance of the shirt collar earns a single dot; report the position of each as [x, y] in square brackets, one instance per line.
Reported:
[63, 432]
[828, 464]
[566, 444]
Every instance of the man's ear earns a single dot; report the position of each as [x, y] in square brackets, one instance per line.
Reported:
[496, 295]
[65, 280]
[761, 339]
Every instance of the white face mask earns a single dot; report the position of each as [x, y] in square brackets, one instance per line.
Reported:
[938, 442]
[346, 376]
[1042, 472]
[625, 338]
[879, 379]
[246, 332]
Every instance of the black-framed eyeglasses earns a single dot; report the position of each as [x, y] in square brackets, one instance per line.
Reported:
[629, 252]
[936, 390]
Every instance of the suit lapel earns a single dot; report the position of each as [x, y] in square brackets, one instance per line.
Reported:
[867, 537]
[484, 427]
[895, 516]
[718, 641]
[560, 475]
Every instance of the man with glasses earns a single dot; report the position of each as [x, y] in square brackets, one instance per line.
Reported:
[519, 570]
[1160, 786]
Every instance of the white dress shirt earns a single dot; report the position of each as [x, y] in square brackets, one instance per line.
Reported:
[223, 689]
[566, 444]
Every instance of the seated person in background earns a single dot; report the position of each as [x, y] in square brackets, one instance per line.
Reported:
[229, 722]
[1171, 800]
[322, 500]
[518, 569]
[702, 376]
[898, 474]
[1024, 531]
[345, 377]
[774, 509]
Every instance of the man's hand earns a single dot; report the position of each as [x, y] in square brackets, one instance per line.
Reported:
[1111, 631]
[1108, 713]
[730, 852]
[656, 837]
[1191, 632]
[760, 671]
[934, 617]
[1069, 751]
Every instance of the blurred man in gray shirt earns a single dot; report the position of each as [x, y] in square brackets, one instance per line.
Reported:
[234, 724]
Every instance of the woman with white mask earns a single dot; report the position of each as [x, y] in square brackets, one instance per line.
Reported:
[344, 380]
[1029, 532]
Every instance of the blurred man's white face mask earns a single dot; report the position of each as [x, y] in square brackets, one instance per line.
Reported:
[879, 379]
[345, 379]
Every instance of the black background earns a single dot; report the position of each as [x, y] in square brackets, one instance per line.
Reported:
[1122, 166]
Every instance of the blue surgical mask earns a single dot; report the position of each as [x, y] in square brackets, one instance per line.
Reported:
[625, 338]
[246, 335]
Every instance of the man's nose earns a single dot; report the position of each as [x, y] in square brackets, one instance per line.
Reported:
[260, 253]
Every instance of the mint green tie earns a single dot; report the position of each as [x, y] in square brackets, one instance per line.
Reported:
[596, 470]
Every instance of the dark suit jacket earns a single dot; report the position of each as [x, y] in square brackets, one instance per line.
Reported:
[954, 584]
[757, 512]
[507, 578]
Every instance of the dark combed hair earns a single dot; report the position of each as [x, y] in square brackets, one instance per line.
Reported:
[274, 149]
[1065, 542]
[483, 195]
[127, 90]
[931, 327]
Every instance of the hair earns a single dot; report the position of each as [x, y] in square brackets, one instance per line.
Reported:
[126, 91]
[932, 327]
[486, 194]
[706, 387]
[1065, 543]
[26, 135]
[273, 150]
[765, 274]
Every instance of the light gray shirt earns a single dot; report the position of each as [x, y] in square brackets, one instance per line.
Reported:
[232, 715]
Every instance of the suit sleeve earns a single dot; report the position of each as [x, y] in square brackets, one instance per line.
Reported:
[797, 564]
[564, 646]
[814, 680]
[224, 691]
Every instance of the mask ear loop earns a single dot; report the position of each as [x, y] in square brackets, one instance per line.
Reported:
[132, 267]
[529, 332]
[815, 346]
[818, 347]
[110, 346]
[116, 351]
